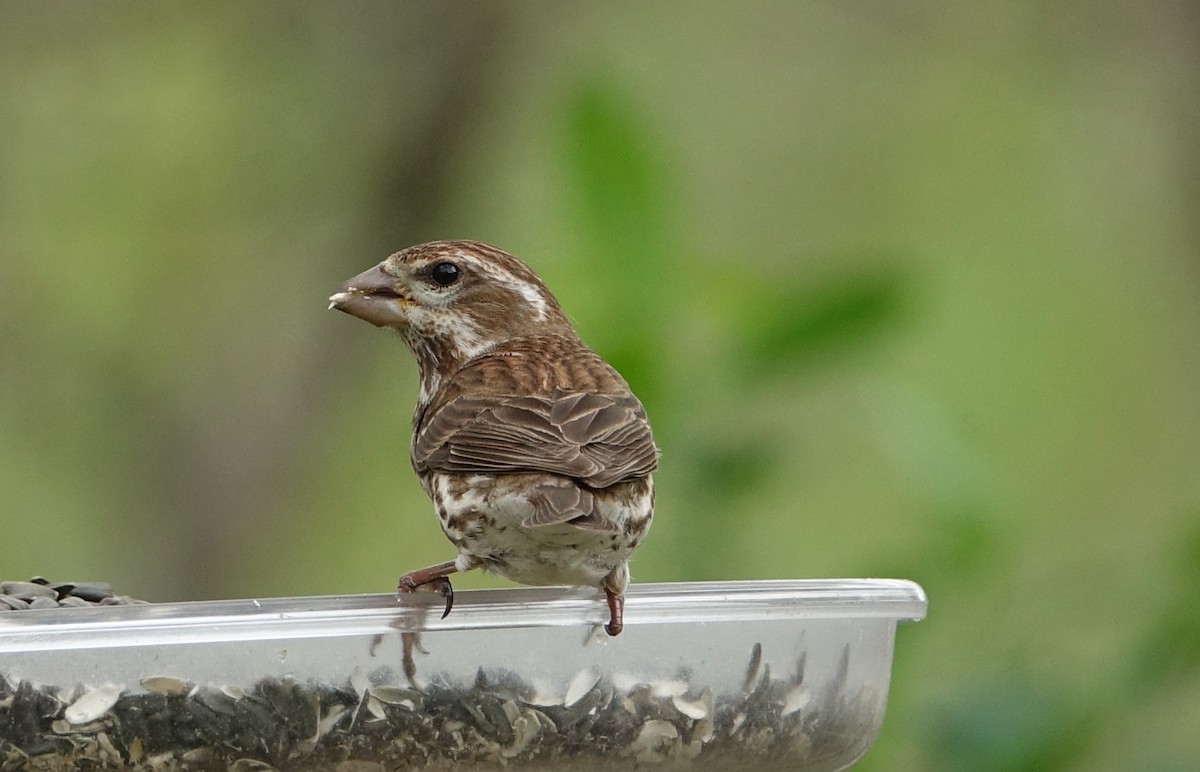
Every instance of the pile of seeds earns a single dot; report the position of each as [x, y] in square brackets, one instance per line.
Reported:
[499, 720]
[41, 593]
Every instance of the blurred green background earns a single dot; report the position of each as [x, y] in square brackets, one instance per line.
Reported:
[908, 290]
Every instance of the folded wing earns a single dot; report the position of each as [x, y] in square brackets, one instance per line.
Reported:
[597, 439]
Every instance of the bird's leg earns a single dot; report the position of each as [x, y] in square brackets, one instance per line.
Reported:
[614, 585]
[616, 612]
[438, 576]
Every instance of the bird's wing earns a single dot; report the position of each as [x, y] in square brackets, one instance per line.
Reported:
[597, 439]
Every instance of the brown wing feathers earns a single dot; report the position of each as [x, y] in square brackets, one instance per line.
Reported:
[598, 439]
[545, 405]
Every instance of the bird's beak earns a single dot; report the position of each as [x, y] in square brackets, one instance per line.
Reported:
[373, 297]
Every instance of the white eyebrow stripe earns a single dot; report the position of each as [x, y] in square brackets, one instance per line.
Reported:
[533, 296]
[528, 291]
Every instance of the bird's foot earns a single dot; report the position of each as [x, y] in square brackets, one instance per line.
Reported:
[434, 577]
[616, 613]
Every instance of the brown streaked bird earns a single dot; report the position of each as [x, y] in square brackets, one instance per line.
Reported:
[536, 454]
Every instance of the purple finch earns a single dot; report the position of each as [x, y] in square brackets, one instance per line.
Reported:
[536, 454]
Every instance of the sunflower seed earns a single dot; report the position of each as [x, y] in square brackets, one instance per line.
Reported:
[359, 681]
[397, 695]
[796, 698]
[94, 592]
[580, 685]
[752, 669]
[27, 591]
[11, 603]
[165, 685]
[92, 705]
[669, 689]
[601, 722]
[249, 765]
[330, 720]
[695, 709]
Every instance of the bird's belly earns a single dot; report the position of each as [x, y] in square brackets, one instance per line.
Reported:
[533, 558]
[484, 517]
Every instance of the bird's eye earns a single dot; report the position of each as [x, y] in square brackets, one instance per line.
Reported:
[444, 274]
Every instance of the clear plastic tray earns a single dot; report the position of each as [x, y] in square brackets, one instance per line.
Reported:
[768, 675]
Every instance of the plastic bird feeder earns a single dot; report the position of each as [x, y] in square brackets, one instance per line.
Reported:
[767, 675]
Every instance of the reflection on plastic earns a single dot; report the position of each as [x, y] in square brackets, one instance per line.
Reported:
[777, 675]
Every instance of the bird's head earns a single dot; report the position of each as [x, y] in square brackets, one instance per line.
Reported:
[452, 300]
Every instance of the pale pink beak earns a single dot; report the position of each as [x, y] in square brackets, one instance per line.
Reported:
[374, 296]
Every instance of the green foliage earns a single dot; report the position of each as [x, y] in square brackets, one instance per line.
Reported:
[1009, 724]
[791, 325]
[1170, 648]
[618, 180]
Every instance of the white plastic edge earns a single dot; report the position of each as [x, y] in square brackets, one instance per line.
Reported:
[344, 615]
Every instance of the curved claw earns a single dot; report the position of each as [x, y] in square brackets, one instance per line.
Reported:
[447, 590]
[414, 581]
